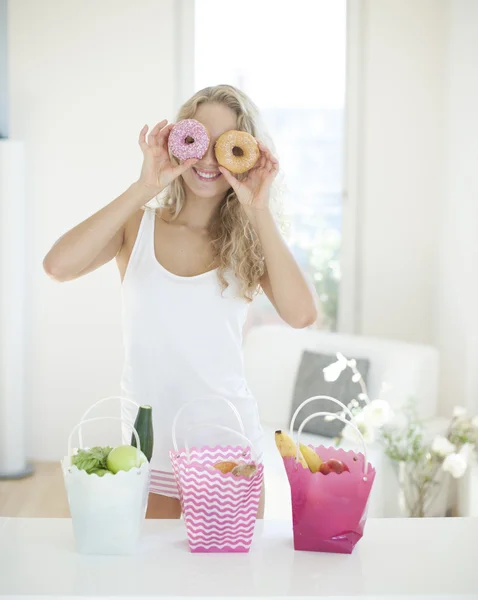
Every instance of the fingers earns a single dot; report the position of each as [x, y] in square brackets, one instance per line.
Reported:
[231, 180]
[187, 164]
[270, 169]
[263, 148]
[163, 135]
[142, 138]
[267, 153]
[260, 167]
[270, 165]
[152, 137]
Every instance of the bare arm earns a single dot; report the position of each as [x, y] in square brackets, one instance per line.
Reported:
[98, 239]
[95, 241]
[284, 283]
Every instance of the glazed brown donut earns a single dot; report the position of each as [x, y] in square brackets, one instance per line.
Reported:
[237, 151]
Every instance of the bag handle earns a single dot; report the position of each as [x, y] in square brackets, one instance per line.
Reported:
[322, 414]
[301, 406]
[78, 425]
[216, 426]
[88, 410]
[190, 403]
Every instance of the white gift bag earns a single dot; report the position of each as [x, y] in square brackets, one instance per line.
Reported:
[107, 512]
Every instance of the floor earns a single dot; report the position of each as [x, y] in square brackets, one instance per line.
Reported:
[40, 495]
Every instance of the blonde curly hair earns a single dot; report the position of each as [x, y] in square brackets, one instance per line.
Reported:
[236, 247]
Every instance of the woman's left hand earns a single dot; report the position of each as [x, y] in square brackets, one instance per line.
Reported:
[253, 191]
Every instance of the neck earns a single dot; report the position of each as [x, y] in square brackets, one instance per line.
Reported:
[198, 212]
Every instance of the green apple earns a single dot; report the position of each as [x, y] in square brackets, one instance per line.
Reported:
[124, 458]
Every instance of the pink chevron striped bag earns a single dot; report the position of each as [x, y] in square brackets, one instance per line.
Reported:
[329, 512]
[219, 509]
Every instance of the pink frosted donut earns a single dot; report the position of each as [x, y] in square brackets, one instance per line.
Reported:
[188, 139]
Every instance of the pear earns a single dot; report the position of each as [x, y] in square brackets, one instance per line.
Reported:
[244, 470]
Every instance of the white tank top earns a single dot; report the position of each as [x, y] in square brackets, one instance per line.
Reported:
[182, 342]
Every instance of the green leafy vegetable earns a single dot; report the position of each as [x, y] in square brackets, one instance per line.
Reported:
[99, 472]
[91, 459]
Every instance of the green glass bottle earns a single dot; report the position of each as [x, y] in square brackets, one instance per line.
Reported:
[144, 427]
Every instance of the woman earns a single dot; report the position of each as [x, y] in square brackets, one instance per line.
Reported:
[189, 271]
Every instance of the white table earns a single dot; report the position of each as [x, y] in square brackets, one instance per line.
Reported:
[396, 558]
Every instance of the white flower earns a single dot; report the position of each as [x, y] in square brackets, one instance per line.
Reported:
[474, 422]
[442, 446]
[458, 412]
[455, 464]
[367, 432]
[341, 359]
[377, 413]
[332, 372]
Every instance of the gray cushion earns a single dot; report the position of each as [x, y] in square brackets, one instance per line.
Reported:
[310, 382]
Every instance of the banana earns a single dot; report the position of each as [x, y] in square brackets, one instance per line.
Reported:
[312, 459]
[286, 446]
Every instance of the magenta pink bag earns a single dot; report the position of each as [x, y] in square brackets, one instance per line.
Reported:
[220, 509]
[329, 511]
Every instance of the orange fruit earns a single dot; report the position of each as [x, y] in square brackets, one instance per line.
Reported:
[225, 466]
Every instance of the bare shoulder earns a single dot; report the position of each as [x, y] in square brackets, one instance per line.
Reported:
[131, 229]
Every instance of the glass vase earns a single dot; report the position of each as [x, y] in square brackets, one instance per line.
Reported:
[425, 489]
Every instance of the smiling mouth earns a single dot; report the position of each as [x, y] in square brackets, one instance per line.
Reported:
[206, 175]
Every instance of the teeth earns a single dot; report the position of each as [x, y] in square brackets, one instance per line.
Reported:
[207, 175]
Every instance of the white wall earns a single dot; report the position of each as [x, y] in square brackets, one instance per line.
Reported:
[417, 195]
[84, 78]
[400, 165]
[458, 294]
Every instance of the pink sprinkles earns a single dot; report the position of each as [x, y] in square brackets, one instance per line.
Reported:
[180, 132]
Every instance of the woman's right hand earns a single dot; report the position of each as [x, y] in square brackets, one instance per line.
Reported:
[158, 171]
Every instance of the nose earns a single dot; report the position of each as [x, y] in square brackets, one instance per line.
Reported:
[210, 156]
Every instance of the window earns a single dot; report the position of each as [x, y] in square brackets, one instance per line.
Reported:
[289, 57]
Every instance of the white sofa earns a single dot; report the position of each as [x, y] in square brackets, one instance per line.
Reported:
[272, 355]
